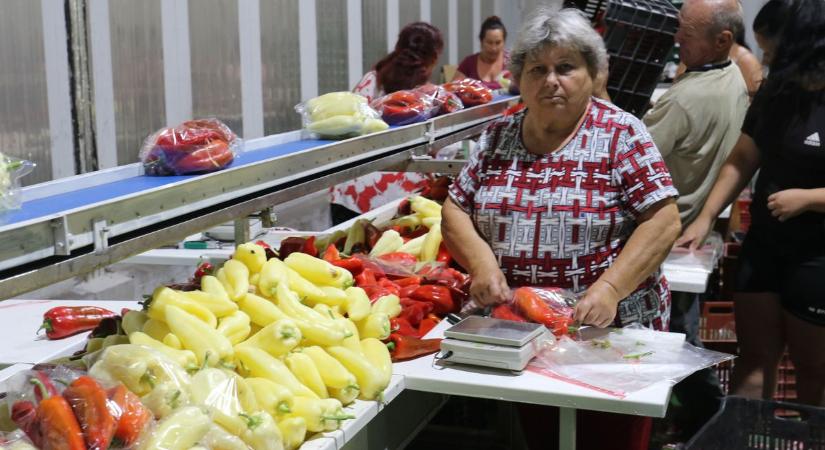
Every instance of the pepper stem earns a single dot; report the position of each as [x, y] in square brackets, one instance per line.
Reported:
[41, 387]
[284, 408]
[391, 346]
[46, 325]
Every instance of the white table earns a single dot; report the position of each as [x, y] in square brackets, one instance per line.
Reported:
[428, 375]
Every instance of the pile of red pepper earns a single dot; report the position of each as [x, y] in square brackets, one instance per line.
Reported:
[84, 416]
[195, 146]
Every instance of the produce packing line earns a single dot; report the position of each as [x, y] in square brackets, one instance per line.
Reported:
[72, 226]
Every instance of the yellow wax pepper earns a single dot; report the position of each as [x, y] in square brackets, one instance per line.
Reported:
[370, 378]
[219, 439]
[277, 338]
[271, 396]
[376, 325]
[429, 250]
[293, 429]
[389, 304]
[319, 271]
[179, 431]
[314, 327]
[236, 327]
[133, 321]
[214, 286]
[425, 207]
[209, 346]
[157, 329]
[389, 242]
[173, 341]
[253, 256]
[319, 415]
[164, 296]
[184, 358]
[352, 340]
[413, 246]
[237, 276]
[261, 311]
[262, 433]
[358, 303]
[258, 363]
[378, 355]
[304, 369]
[220, 307]
[333, 296]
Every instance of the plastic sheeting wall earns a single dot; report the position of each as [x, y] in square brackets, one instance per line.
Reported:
[24, 109]
[137, 73]
[439, 15]
[466, 32]
[409, 11]
[333, 73]
[281, 64]
[373, 32]
[216, 61]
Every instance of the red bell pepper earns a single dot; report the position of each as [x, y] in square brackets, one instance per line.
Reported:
[331, 254]
[389, 285]
[403, 347]
[443, 255]
[209, 157]
[133, 415]
[352, 265]
[414, 311]
[64, 321]
[427, 324]
[203, 269]
[401, 325]
[439, 296]
[24, 415]
[408, 281]
[90, 404]
[405, 259]
[59, 428]
[374, 291]
[406, 291]
[504, 311]
[309, 247]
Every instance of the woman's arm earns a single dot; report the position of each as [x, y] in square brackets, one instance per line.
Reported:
[737, 171]
[658, 227]
[489, 286]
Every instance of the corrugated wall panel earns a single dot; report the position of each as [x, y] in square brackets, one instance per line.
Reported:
[281, 65]
[24, 109]
[373, 31]
[439, 11]
[216, 61]
[488, 8]
[333, 72]
[409, 11]
[466, 33]
[137, 73]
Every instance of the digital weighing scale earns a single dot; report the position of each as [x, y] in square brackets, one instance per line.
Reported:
[489, 342]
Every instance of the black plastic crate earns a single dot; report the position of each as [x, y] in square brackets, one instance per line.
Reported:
[639, 38]
[591, 8]
[745, 424]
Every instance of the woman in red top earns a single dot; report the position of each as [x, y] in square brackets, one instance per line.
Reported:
[491, 62]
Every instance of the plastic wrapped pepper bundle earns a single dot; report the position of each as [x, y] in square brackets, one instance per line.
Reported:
[552, 307]
[405, 107]
[339, 115]
[11, 169]
[471, 92]
[194, 146]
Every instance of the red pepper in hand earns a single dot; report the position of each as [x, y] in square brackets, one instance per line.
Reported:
[90, 403]
[427, 324]
[24, 415]
[401, 325]
[439, 296]
[414, 311]
[403, 347]
[58, 428]
[505, 312]
[64, 321]
[133, 415]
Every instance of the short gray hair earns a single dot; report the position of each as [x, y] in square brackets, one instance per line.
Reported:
[728, 16]
[562, 28]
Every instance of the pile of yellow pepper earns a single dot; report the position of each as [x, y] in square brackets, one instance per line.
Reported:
[264, 353]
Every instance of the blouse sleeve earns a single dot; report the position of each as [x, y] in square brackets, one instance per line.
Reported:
[367, 86]
[468, 66]
[466, 184]
[641, 170]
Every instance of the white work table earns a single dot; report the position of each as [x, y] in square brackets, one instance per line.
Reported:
[428, 374]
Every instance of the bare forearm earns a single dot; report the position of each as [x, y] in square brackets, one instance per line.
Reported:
[462, 240]
[733, 177]
[644, 252]
[816, 200]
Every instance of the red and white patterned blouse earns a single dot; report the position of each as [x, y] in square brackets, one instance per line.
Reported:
[561, 219]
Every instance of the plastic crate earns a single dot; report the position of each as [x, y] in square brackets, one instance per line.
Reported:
[744, 424]
[591, 8]
[639, 38]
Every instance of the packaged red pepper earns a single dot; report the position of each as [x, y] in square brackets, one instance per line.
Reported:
[472, 92]
[444, 101]
[505, 312]
[552, 307]
[404, 107]
[195, 146]
[90, 404]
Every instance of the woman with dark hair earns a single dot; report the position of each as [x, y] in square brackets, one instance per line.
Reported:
[780, 291]
[409, 65]
[491, 62]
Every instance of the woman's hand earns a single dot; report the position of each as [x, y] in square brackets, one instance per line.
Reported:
[694, 235]
[788, 203]
[489, 287]
[598, 305]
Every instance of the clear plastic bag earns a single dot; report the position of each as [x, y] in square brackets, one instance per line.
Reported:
[472, 92]
[620, 361]
[15, 440]
[405, 107]
[551, 307]
[444, 101]
[11, 170]
[194, 146]
[339, 115]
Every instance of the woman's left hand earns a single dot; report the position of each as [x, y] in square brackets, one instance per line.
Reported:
[788, 203]
[598, 305]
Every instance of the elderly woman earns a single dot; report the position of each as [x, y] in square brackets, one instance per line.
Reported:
[569, 192]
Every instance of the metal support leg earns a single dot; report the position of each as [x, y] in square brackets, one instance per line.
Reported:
[567, 429]
[242, 234]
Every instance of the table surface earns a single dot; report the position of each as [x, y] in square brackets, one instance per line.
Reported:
[428, 374]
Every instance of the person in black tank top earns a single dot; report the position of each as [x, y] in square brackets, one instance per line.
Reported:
[780, 298]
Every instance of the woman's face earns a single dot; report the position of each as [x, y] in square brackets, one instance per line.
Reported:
[556, 82]
[493, 43]
[768, 48]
